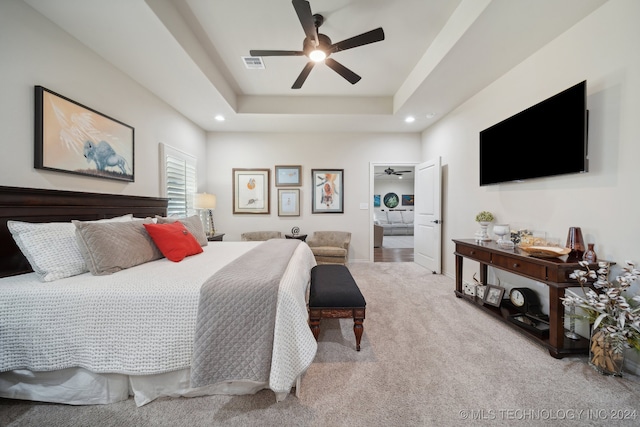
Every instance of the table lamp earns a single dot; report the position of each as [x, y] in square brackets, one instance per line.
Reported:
[206, 203]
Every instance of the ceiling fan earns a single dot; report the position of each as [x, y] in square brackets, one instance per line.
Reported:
[390, 171]
[318, 47]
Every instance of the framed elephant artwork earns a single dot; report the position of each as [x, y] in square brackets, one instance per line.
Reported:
[73, 138]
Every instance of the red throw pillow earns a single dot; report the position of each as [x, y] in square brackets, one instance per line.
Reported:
[174, 240]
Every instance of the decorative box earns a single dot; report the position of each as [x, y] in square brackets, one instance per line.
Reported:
[469, 289]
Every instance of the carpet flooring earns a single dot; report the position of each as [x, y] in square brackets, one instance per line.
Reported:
[427, 359]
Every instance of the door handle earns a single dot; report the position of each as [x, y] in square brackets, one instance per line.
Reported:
[436, 221]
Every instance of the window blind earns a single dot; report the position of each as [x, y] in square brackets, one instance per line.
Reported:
[179, 179]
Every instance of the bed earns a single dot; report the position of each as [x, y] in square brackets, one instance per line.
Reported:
[98, 339]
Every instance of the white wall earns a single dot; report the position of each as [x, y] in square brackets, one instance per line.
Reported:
[605, 203]
[349, 151]
[34, 51]
[601, 49]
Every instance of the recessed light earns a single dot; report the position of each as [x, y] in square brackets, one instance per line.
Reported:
[220, 118]
[410, 119]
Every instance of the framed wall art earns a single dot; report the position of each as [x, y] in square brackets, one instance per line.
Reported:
[289, 202]
[407, 200]
[327, 187]
[376, 200]
[251, 191]
[288, 176]
[391, 200]
[73, 138]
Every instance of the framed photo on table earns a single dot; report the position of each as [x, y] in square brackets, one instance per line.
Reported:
[327, 186]
[73, 138]
[251, 191]
[493, 295]
[288, 176]
[289, 202]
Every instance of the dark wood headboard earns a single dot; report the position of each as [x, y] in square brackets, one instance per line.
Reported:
[38, 205]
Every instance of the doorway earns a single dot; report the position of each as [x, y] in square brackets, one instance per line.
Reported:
[393, 187]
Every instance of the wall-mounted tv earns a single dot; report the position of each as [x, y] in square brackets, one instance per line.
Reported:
[549, 138]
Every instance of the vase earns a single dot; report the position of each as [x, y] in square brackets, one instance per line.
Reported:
[482, 235]
[603, 356]
[575, 242]
[590, 254]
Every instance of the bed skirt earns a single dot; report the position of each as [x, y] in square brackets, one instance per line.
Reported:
[78, 386]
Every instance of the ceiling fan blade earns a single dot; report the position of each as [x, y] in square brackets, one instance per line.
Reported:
[276, 53]
[303, 75]
[303, 9]
[364, 38]
[352, 77]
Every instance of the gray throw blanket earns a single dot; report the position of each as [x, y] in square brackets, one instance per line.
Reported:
[236, 316]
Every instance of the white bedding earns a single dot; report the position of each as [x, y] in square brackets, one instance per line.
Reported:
[139, 322]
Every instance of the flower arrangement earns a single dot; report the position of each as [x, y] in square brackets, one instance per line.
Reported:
[484, 216]
[615, 316]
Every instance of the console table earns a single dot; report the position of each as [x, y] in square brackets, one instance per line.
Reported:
[554, 272]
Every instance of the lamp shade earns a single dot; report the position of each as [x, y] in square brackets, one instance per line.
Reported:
[204, 201]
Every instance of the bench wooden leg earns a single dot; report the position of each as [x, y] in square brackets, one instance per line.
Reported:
[358, 328]
[315, 314]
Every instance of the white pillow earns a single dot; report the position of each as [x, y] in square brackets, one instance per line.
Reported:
[395, 217]
[407, 217]
[50, 248]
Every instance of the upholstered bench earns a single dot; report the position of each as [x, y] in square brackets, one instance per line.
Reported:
[334, 294]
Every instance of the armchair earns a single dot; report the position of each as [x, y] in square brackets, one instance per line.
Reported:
[330, 247]
[378, 235]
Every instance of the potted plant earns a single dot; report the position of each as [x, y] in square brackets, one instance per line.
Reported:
[483, 218]
[615, 317]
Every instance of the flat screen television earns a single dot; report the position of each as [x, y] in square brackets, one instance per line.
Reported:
[549, 138]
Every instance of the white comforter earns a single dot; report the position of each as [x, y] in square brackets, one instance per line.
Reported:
[141, 320]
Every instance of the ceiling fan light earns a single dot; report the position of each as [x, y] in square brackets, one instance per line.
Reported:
[317, 55]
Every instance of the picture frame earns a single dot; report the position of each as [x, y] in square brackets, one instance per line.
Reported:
[481, 290]
[289, 202]
[376, 200]
[493, 295]
[407, 200]
[288, 176]
[327, 191]
[251, 190]
[73, 138]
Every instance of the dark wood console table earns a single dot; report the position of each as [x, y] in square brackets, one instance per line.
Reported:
[554, 272]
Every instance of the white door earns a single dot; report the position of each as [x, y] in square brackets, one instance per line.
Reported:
[427, 220]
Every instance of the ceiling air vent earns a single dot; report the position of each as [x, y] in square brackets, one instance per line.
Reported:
[253, 62]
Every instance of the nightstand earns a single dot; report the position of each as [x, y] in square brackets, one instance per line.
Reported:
[217, 237]
[302, 237]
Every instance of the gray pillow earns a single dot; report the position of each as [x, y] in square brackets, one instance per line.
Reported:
[113, 246]
[191, 223]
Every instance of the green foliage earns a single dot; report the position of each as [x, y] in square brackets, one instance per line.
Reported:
[484, 216]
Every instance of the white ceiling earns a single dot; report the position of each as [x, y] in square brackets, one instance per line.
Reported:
[436, 54]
